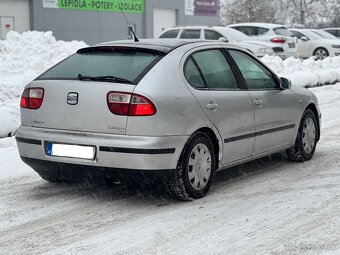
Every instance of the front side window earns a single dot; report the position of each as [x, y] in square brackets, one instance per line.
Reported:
[191, 34]
[170, 34]
[215, 70]
[256, 76]
[298, 34]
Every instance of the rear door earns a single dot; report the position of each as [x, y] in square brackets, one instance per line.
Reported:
[74, 102]
[275, 109]
[229, 108]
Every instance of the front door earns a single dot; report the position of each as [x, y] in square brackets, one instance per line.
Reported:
[275, 109]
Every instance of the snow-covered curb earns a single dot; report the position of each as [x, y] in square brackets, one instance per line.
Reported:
[24, 56]
[307, 73]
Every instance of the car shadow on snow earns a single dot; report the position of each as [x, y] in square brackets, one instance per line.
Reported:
[146, 188]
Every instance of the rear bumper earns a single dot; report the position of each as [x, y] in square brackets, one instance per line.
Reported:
[112, 151]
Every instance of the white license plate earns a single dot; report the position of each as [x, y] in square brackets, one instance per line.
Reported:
[71, 151]
[291, 45]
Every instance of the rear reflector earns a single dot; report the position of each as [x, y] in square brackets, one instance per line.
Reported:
[32, 98]
[279, 40]
[128, 104]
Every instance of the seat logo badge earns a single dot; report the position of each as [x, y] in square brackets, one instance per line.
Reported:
[72, 98]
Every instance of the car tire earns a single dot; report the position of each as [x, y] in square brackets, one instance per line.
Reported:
[306, 140]
[320, 53]
[193, 175]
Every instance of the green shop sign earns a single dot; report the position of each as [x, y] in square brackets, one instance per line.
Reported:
[128, 6]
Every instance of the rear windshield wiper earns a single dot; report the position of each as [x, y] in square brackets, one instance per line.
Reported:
[107, 78]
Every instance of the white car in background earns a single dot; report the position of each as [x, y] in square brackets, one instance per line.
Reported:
[334, 31]
[259, 49]
[323, 34]
[312, 44]
[274, 33]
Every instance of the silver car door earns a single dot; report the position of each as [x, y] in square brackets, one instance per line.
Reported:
[275, 109]
[228, 107]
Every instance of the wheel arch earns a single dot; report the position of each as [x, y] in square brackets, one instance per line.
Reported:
[313, 108]
[216, 141]
[320, 47]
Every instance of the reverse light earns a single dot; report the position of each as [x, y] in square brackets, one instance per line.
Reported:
[129, 104]
[32, 98]
[278, 40]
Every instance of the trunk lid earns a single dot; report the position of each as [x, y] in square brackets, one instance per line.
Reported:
[79, 106]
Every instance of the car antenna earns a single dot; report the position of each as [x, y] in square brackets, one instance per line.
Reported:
[133, 32]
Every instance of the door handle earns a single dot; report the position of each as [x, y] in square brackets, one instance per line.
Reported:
[212, 106]
[258, 101]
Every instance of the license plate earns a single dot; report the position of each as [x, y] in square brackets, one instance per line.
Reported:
[71, 151]
[291, 45]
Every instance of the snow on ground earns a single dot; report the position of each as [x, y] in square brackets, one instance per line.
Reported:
[269, 206]
[22, 58]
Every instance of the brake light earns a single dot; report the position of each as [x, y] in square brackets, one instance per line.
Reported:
[32, 98]
[278, 40]
[129, 104]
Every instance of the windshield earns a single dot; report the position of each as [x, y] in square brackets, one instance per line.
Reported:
[282, 31]
[122, 63]
[324, 34]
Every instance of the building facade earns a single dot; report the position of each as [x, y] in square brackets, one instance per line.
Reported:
[96, 21]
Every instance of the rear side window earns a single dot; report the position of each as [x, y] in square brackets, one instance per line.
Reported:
[261, 30]
[170, 34]
[282, 31]
[212, 35]
[215, 70]
[121, 62]
[250, 31]
[256, 76]
[192, 74]
[191, 34]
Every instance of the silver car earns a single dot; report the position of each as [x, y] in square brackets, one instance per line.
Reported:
[187, 109]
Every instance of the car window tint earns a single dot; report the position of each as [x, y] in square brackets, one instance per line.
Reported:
[215, 69]
[191, 34]
[192, 75]
[170, 34]
[122, 62]
[250, 31]
[297, 34]
[255, 75]
[212, 35]
[261, 30]
[282, 31]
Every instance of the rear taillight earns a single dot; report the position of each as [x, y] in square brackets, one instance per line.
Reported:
[278, 40]
[32, 98]
[129, 104]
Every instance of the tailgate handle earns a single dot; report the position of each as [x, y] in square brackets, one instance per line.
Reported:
[258, 101]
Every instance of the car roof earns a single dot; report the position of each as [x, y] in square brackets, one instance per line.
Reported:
[265, 25]
[164, 45]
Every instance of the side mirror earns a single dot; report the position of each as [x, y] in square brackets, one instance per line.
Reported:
[223, 39]
[285, 83]
[304, 38]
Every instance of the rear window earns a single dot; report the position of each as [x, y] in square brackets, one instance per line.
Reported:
[121, 62]
[282, 31]
[170, 34]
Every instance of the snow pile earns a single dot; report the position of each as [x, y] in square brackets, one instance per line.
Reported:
[22, 58]
[307, 73]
